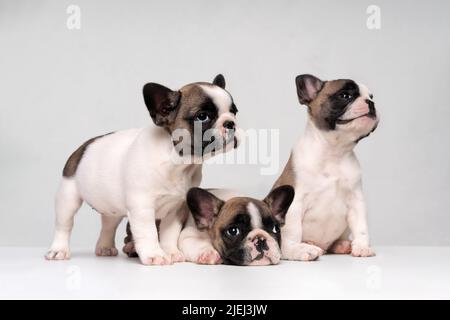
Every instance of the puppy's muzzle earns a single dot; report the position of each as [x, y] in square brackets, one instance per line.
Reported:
[229, 124]
[363, 109]
[261, 245]
[263, 248]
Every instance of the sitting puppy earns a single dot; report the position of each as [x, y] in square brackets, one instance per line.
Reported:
[145, 173]
[329, 203]
[223, 227]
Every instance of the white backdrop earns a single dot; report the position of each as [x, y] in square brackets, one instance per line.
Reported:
[60, 87]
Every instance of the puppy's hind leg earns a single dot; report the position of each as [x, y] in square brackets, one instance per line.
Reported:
[342, 245]
[106, 246]
[67, 203]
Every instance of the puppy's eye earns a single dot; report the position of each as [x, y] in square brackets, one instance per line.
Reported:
[276, 229]
[233, 231]
[202, 117]
[371, 96]
[345, 95]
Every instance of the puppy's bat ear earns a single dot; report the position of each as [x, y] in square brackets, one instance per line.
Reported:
[308, 86]
[279, 200]
[204, 207]
[219, 80]
[162, 103]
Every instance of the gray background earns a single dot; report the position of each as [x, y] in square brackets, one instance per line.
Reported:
[61, 87]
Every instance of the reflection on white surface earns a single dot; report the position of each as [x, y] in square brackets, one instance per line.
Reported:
[396, 272]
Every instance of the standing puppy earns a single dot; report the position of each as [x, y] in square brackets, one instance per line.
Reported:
[329, 204]
[144, 174]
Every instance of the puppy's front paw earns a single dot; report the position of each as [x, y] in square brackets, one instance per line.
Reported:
[176, 255]
[58, 254]
[309, 252]
[154, 257]
[301, 251]
[361, 250]
[209, 256]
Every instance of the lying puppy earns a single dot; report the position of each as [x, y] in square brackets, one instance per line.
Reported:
[224, 227]
[329, 203]
[244, 231]
[142, 173]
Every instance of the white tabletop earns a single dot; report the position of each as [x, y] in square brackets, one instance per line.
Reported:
[396, 272]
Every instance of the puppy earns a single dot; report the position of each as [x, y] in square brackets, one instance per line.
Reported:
[329, 204]
[143, 174]
[243, 231]
[225, 227]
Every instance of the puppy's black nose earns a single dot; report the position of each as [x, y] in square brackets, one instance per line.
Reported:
[229, 125]
[370, 102]
[261, 245]
[371, 105]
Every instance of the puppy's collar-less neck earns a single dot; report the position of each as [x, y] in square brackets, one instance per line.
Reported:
[165, 145]
[330, 142]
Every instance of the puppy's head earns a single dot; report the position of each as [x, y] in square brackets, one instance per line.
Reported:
[343, 106]
[201, 116]
[245, 231]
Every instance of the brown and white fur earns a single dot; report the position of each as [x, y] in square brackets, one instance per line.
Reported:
[243, 230]
[328, 212]
[144, 174]
[224, 226]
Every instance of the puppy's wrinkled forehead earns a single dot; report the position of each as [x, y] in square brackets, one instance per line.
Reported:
[199, 95]
[242, 208]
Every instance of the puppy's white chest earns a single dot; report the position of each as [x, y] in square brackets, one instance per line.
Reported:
[326, 195]
[174, 185]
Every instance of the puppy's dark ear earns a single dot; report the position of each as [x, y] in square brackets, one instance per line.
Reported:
[219, 80]
[204, 207]
[279, 200]
[308, 86]
[162, 103]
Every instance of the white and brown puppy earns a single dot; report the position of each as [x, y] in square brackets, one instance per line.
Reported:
[234, 229]
[329, 205]
[144, 174]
